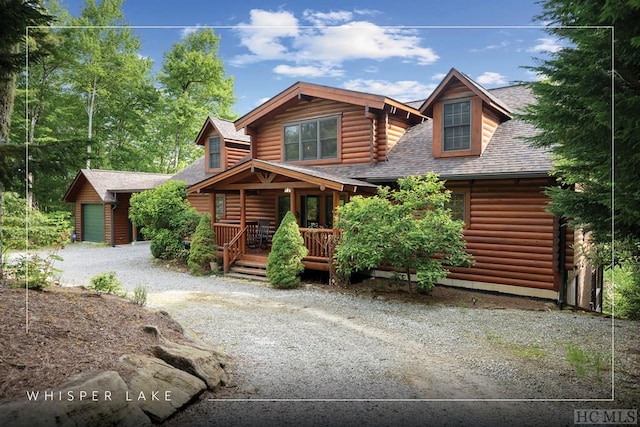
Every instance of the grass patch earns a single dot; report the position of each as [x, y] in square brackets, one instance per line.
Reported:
[586, 363]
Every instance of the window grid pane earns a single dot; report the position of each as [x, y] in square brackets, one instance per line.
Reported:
[457, 206]
[457, 126]
[311, 140]
[214, 152]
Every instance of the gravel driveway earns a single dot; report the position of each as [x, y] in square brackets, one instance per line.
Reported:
[311, 357]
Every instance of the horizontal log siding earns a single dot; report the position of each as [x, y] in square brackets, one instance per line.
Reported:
[490, 123]
[200, 202]
[395, 130]
[234, 155]
[231, 208]
[381, 137]
[121, 221]
[107, 224]
[356, 140]
[354, 137]
[510, 236]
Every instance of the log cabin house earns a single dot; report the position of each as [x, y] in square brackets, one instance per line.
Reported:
[312, 147]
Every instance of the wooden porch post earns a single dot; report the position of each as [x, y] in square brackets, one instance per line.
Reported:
[292, 203]
[213, 208]
[336, 203]
[243, 219]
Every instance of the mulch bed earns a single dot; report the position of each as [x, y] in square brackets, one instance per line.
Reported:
[70, 331]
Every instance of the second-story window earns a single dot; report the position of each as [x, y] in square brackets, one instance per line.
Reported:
[214, 152]
[311, 140]
[457, 126]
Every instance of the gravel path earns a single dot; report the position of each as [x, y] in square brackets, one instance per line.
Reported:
[311, 357]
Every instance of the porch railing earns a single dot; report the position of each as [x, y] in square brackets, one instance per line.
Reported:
[319, 241]
[233, 250]
[225, 232]
[229, 237]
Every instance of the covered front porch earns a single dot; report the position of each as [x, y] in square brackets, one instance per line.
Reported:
[250, 199]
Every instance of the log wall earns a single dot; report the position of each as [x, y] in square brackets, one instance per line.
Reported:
[513, 240]
[122, 235]
[200, 202]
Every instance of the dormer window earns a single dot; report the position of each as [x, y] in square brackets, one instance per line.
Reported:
[214, 152]
[456, 126]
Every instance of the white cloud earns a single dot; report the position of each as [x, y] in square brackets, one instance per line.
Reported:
[305, 71]
[491, 78]
[189, 30]
[326, 18]
[438, 76]
[280, 36]
[547, 44]
[402, 90]
[501, 45]
[362, 40]
[264, 35]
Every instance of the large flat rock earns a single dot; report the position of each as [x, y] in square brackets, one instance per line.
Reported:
[159, 388]
[89, 399]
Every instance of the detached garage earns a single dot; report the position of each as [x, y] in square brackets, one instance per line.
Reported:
[101, 203]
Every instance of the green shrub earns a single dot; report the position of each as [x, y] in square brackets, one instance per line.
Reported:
[409, 228]
[139, 295]
[203, 246]
[166, 218]
[42, 230]
[107, 283]
[32, 271]
[287, 250]
[166, 245]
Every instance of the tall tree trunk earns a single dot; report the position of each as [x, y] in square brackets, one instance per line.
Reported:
[7, 93]
[1, 253]
[91, 99]
[176, 152]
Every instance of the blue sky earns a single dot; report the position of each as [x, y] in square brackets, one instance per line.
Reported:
[397, 49]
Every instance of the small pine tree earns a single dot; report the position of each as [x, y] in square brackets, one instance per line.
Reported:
[203, 246]
[287, 250]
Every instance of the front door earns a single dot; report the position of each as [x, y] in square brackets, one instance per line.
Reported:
[310, 212]
[284, 206]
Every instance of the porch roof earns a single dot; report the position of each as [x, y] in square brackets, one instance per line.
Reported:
[255, 174]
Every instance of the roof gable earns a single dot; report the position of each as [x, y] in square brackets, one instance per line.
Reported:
[222, 127]
[302, 92]
[106, 183]
[454, 76]
[244, 169]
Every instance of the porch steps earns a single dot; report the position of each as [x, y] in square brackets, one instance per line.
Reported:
[250, 267]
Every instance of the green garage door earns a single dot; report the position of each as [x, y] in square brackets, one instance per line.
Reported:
[93, 223]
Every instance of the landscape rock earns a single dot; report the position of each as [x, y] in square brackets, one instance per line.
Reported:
[159, 388]
[88, 399]
[201, 362]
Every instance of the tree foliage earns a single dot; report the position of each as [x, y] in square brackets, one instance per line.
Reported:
[409, 228]
[166, 217]
[587, 113]
[284, 264]
[194, 86]
[583, 90]
[203, 246]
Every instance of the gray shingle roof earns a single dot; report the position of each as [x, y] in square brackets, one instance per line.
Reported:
[507, 154]
[193, 173]
[107, 182]
[228, 130]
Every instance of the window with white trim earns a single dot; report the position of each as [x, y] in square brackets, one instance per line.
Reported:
[311, 140]
[456, 126]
